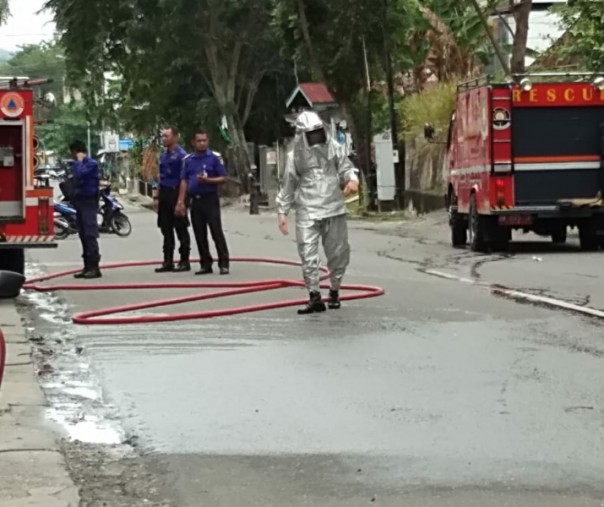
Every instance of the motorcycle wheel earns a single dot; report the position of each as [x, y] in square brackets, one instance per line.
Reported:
[120, 224]
[61, 228]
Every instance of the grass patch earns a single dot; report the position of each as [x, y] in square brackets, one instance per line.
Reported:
[434, 105]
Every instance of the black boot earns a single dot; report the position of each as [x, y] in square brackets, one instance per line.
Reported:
[83, 272]
[315, 304]
[167, 266]
[334, 300]
[183, 265]
[92, 272]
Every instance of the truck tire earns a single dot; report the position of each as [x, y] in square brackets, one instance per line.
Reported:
[559, 237]
[476, 228]
[588, 237]
[12, 260]
[458, 225]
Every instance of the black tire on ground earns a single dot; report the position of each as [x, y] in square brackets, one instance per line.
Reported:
[458, 224]
[476, 228]
[588, 236]
[13, 259]
[559, 237]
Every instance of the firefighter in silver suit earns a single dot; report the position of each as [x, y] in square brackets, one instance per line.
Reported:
[316, 180]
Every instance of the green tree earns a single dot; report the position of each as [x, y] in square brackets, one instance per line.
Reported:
[45, 60]
[207, 60]
[583, 21]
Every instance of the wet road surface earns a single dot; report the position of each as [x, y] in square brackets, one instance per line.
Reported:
[437, 393]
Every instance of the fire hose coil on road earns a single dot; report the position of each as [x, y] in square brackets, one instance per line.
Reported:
[109, 316]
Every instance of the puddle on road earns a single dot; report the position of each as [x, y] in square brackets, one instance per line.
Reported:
[75, 399]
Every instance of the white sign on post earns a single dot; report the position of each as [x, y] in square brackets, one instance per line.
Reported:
[385, 160]
[112, 142]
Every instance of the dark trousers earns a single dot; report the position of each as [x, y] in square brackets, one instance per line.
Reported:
[88, 229]
[169, 223]
[205, 213]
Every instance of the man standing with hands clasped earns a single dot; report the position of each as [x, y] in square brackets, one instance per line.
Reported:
[164, 202]
[317, 177]
[202, 173]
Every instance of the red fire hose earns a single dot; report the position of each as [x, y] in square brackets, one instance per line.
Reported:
[232, 289]
[2, 356]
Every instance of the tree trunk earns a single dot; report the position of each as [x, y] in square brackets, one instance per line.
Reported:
[522, 12]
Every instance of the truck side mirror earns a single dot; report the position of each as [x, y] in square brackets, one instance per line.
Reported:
[429, 131]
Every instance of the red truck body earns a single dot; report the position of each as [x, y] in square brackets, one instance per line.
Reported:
[26, 208]
[526, 156]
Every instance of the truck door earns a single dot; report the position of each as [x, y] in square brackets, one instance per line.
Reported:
[12, 171]
[557, 144]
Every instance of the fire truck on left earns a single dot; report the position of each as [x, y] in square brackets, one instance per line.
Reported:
[26, 207]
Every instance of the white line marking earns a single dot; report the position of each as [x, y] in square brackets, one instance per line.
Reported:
[521, 296]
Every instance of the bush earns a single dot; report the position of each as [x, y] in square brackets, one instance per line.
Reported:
[433, 105]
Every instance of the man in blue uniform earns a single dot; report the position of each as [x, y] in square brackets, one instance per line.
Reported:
[202, 173]
[85, 200]
[165, 199]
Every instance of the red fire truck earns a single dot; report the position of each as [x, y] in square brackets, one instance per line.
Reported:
[528, 155]
[26, 210]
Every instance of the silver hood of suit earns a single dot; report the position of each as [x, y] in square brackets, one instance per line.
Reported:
[314, 175]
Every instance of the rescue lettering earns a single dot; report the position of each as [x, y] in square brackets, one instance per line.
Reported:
[561, 95]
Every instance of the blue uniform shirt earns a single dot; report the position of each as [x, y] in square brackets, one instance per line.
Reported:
[170, 167]
[86, 176]
[197, 163]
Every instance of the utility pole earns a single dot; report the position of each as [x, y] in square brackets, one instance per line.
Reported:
[399, 167]
[369, 172]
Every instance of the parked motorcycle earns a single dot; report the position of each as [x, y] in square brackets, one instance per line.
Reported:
[112, 211]
[64, 219]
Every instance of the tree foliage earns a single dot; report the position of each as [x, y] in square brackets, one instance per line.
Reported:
[189, 62]
[584, 22]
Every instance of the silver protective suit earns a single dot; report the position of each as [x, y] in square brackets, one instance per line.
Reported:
[312, 186]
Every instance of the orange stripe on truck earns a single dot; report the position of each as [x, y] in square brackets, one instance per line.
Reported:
[564, 158]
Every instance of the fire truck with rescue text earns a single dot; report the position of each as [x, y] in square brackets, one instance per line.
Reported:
[26, 207]
[526, 154]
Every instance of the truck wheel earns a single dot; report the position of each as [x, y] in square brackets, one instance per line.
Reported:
[559, 237]
[459, 226]
[588, 237]
[476, 228]
[12, 260]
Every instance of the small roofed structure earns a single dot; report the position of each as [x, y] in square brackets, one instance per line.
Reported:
[315, 96]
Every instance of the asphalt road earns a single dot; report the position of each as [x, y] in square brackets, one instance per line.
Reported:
[437, 394]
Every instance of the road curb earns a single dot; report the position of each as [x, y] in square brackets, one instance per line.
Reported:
[32, 468]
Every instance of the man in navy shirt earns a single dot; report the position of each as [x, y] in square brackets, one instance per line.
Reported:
[202, 173]
[164, 203]
[85, 200]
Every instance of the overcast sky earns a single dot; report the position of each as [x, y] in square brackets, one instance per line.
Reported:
[24, 26]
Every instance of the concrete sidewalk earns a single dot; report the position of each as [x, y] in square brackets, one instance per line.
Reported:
[32, 469]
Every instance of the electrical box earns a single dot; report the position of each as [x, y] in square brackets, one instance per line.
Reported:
[384, 161]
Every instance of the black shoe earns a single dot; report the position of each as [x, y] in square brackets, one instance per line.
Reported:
[182, 266]
[224, 271]
[315, 304]
[166, 267]
[334, 300]
[81, 273]
[92, 273]
[205, 271]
